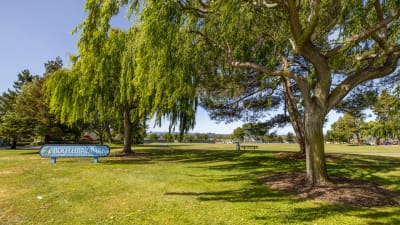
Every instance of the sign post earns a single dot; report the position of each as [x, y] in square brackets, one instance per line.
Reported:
[65, 151]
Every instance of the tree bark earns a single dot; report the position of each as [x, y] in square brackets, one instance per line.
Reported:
[315, 153]
[47, 138]
[101, 138]
[378, 141]
[14, 143]
[295, 117]
[358, 138]
[128, 125]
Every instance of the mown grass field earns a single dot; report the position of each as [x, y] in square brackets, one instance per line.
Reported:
[184, 184]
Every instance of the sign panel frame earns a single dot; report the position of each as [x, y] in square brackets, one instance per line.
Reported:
[68, 151]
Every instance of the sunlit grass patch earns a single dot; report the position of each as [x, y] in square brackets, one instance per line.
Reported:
[179, 184]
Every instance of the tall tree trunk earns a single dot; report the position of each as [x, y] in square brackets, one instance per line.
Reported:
[295, 117]
[47, 138]
[358, 137]
[100, 133]
[378, 141]
[101, 138]
[14, 143]
[315, 154]
[128, 125]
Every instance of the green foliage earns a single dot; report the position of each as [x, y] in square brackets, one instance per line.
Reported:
[255, 130]
[153, 137]
[238, 133]
[345, 128]
[166, 63]
[290, 137]
[64, 96]
[168, 137]
[359, 99]
[7, 101]
[16, 125]
[23, 78]
[157, 82]
[386, 109]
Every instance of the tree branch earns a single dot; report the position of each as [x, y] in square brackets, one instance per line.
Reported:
[374, 55]
[294, 20]
[207, 39]
[380, 15]
[369, 73]
[312, 20]
[255, 66]
[358, 37]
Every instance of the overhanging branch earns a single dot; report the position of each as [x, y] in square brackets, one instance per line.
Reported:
[369, 73]
[359, 37]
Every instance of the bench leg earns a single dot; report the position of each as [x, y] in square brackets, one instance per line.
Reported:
[95, 159]
[53, 160]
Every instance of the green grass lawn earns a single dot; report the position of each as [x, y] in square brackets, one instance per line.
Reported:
[183, 184]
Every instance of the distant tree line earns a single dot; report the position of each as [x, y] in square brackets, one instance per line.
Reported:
[175, 137]
[260, 132]
[353, 127]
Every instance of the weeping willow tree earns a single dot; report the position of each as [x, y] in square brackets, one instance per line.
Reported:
[118, 73]
[154, 66]
[97, 87]
[166, 69]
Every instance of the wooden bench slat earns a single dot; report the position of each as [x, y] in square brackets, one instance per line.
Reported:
[249, 146]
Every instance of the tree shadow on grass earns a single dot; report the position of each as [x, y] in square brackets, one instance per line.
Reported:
[250, 166]
[367, 168]
[257, 193]
[310, 214]
[32, 152]
[127, 161]
[130, 159]
[21, 151]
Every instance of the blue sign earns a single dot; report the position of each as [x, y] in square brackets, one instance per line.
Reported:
[55, 151]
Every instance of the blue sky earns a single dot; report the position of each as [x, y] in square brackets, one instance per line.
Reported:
[35, 31]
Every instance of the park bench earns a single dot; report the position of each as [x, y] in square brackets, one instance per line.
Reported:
[67, 151]
[254, 147]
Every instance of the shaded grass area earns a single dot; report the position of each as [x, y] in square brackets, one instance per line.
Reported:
[179, 184]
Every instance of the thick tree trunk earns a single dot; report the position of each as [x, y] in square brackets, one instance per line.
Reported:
[378, 141]
[14, 143]
[128, 125]
[358, 138]
[295, 117]
[315, 154]
[301, 141]
[47, 139]
[101, 138]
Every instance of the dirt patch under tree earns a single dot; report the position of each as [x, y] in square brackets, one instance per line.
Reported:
[342, 191]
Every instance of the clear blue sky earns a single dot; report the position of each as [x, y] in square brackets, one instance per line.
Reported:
[35, 31]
